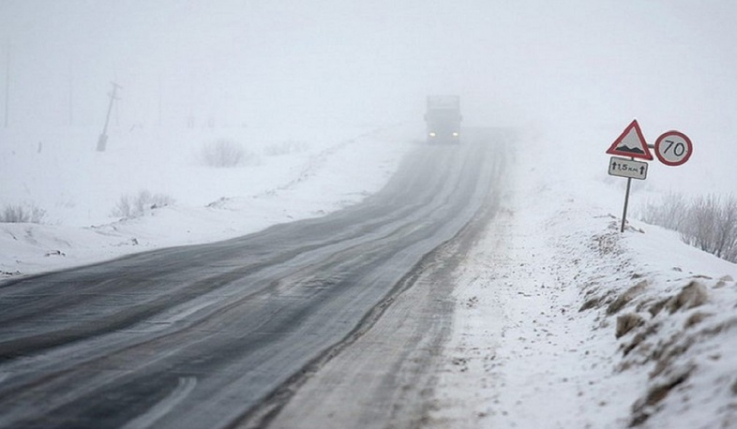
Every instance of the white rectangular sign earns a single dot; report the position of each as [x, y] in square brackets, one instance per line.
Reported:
[624, 167]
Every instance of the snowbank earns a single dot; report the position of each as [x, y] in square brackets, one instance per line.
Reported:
[564, 322]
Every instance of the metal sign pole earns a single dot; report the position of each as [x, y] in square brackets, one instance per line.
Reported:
[626, 202]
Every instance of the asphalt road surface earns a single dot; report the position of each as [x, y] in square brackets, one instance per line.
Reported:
[325, 322]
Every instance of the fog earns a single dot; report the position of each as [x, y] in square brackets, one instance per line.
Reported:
[251, 62]
[568, 66]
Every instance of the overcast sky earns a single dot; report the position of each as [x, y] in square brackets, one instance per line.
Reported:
[342, 61]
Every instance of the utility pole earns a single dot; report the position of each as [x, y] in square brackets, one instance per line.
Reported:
[71, 93]
[190, 118]
[7, 83]
[102, 141]
[161, 96]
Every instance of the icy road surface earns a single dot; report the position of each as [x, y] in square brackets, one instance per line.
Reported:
[222, 335]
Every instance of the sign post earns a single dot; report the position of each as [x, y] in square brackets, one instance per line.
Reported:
[630, 143]
[630, 169]
[672, 148]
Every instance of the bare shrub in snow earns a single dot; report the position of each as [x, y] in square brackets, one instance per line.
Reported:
[225, 153]
[709, 223]
[285, 148]
[22, 213]
[712, 226]
[135, 206]
[669, 213]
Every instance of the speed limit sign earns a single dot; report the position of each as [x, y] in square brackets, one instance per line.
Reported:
[673, 148]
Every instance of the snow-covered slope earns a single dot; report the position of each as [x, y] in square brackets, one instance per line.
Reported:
[564, 322]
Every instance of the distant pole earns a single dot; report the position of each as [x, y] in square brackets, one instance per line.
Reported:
[7, 83]
[161, 96]
[71, 94]
[190, 118]
[102, 141]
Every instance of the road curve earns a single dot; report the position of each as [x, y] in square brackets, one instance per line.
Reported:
[204, 336]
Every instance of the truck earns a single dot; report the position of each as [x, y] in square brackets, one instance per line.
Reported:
[443, 118]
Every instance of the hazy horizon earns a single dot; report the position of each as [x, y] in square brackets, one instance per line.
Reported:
[249, 62]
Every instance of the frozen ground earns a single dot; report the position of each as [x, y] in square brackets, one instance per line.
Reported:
[561, 320]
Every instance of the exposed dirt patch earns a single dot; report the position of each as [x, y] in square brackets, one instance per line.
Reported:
[594, 300]
[628, 322]
[643, 409]
[657, 307]
[695, 319]
[692, 295]
[626, 298]
[639, 338]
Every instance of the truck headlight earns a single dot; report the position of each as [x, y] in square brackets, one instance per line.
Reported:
[432, 134]
[455, 134]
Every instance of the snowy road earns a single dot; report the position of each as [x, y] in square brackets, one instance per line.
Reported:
[223, 335]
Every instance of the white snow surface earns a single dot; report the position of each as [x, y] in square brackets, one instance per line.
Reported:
[283, 175]
[538, 301]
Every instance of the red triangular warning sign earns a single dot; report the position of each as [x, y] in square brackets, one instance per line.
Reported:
[631, 143]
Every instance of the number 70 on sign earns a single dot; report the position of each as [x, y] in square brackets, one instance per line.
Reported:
[673, 148]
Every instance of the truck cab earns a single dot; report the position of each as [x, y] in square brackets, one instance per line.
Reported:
[443, 119]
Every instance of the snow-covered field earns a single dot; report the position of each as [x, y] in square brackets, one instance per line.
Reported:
[561, 321]
[282, 175]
